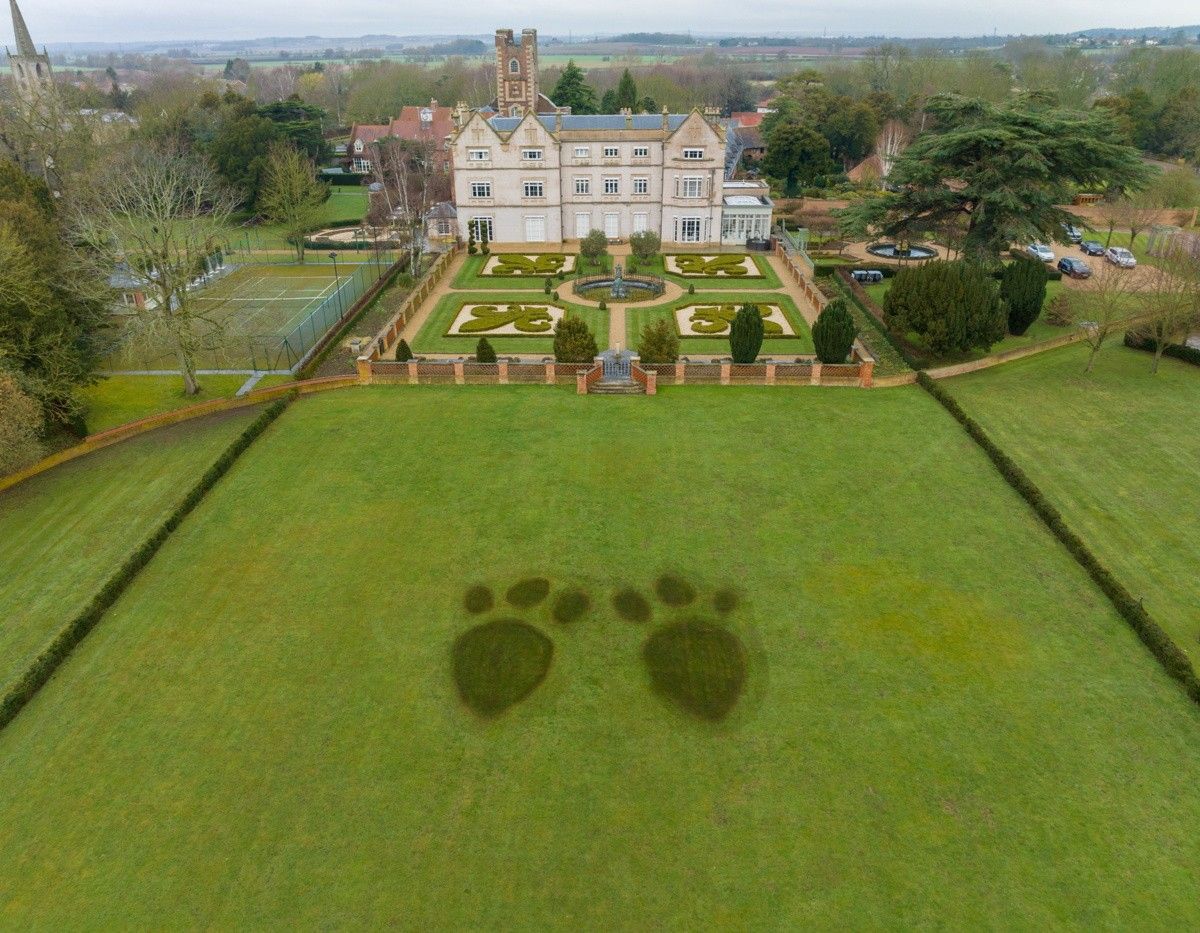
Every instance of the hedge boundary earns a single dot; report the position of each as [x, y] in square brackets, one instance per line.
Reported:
[1168, 654]
[1177, 351]
[26, 686]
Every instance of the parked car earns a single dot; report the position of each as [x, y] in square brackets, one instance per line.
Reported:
[1120, 256]
[1075, 268]
[1072, 233]
[1092, 247]
[1040, 251]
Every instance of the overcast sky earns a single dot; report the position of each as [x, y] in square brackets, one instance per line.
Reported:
[131, 20]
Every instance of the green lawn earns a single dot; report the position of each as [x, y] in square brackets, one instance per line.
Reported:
[1117, 451]
[345, 203]
[117, 400]
[432, 336]
[63, 533]
[942, 722]
[638, 316]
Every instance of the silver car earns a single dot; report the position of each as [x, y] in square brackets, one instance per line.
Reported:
[1040, 251]
[1120, 256]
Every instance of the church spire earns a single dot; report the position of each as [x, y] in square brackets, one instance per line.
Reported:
[21, 31]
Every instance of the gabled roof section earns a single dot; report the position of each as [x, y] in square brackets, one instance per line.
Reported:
[479, 121]
[697, 118]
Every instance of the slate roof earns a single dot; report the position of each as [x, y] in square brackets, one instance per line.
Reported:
[582, 122]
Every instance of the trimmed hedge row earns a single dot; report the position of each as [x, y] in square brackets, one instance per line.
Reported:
[42, 668]
[1178, 351]
[1172, 658]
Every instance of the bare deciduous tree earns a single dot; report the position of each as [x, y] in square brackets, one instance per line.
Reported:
[159, 214]
[1171, 299]
[1102, 305]
[410, 172]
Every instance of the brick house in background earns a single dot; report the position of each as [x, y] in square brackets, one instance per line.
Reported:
[432, 123]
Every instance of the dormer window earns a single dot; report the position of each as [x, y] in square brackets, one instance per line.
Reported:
[514, 66]
[358, 145]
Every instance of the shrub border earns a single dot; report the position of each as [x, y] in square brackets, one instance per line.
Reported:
[530, 275]
[1178, 351]
[26, 686]
[545, 333]
[1168, 654]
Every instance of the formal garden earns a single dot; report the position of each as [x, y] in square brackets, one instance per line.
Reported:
[670, 305]
[336, 708]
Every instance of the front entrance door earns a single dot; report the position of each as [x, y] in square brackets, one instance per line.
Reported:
[641, 223]
[535, 229]
[612, 226]
[583, 225]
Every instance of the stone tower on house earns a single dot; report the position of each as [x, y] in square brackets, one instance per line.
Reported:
[516, 72]
[30, 70]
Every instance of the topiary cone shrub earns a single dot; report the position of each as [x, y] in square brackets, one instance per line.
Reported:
[691, 288]
[403, 352]
[834, 332]
[603, 305]
[472, 249]
[484, 353]
[746, 334]
[548, 285]
[1023, 288]
[574, 341]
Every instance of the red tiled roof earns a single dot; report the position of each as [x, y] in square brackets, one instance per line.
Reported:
[409, 126]
[747, 118]
[367, 132]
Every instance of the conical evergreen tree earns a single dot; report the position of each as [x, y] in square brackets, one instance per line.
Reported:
[572, 90]
[627, 95]
[746, 334]
[834, 332]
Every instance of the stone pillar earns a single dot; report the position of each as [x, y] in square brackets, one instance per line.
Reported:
[412, 372]
[866, 373]
[581, 384]
[680, 373]
[460, 377]
[652, 383]
[502, 366]
[363, 365]
[816, 373]
[726, 370]
[551, 374]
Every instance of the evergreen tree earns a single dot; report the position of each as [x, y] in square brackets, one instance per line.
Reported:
[403, 351]
[834, 332]
[796, 154]
[472, 249]
[953, 306]
[484, 352]
[1023, 288]
[746, 334]
[572, 90]
[593, 246]
[627, 95]
[659, 342]
[483, 240]
[1003, 168]
[574, 341]
[608, 103]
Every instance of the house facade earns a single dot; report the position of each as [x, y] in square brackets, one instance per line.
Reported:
[434, 124]
[549, 178]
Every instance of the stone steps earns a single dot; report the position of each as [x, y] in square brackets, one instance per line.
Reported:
[624, 387]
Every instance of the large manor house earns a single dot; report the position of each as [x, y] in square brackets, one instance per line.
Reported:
[527, 171]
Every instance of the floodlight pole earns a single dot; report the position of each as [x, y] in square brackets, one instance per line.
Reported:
[337, 285]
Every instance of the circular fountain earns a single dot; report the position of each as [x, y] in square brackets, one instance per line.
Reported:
[901, 251]
[618, 286]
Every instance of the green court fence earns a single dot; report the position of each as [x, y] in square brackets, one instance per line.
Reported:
[271, 352]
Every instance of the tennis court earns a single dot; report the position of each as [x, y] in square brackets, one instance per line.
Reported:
[261, 317]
